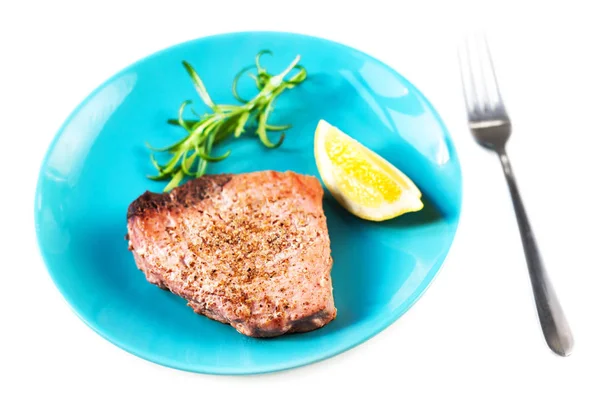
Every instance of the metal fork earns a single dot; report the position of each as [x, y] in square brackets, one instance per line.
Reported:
[491, 127]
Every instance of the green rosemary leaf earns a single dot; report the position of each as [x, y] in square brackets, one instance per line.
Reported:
[201, 168]
[171, 148]
[172, 163]
[200, 88]
[277, 128]
[299, 77]
[239, 129]
[166, 171]
[262, 80]
[262, 134]
[160, 177]
[180, 113]
[259, 68]
[234, 85]
[191, 124]
[177, 178]
[210, 140]
[155, 163]
[187, 163]
[225, 128]
[207, 157]
[262, 129]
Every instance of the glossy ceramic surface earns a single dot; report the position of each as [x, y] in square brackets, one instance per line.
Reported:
[98, 164]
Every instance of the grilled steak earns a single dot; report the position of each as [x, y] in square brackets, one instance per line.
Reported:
[251, 250]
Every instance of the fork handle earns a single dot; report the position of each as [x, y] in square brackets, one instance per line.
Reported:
[552, 319]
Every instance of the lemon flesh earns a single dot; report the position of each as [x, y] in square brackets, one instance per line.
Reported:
[363, 182]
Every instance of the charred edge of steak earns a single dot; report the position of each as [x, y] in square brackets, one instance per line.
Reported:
[306, 324]
[199, 188]
[186, 194]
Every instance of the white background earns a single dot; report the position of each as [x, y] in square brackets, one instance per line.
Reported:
[474, 334]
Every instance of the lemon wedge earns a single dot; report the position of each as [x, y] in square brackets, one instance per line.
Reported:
[363, 182]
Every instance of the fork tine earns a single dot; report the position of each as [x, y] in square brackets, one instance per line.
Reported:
[467, 78]
[480, 85]
[496, 88]
[482, 67]
[487, 82]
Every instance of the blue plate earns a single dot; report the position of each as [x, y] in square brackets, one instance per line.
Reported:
[98, 163]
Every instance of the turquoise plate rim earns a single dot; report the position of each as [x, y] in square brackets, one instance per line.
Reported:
[383, 323]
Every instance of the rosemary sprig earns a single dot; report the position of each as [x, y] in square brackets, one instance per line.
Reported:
[190, 156]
